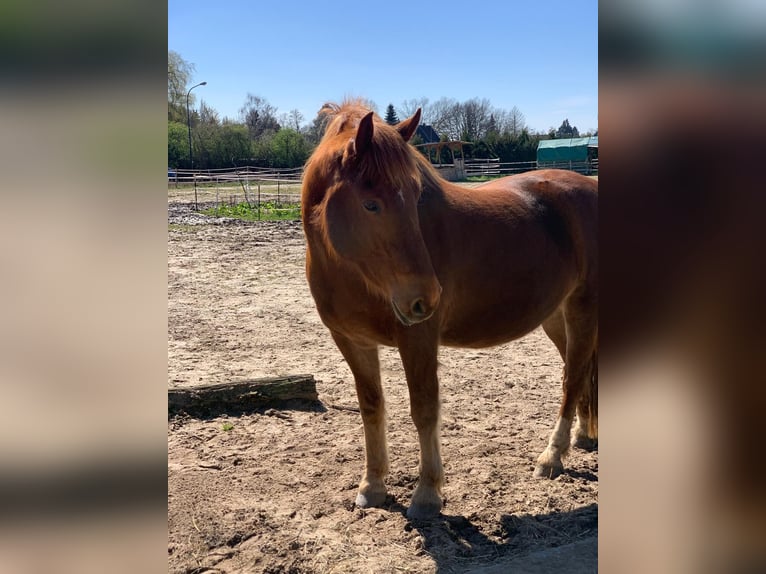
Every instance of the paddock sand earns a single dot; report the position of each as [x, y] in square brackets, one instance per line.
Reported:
[275, 492]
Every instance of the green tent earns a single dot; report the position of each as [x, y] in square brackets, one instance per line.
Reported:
[563, 151]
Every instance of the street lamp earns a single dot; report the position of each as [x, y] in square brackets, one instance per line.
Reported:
[191, 158]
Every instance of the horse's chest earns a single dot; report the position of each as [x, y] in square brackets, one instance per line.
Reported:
[349, 309]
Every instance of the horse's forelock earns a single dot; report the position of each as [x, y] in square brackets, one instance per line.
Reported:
[389, 160]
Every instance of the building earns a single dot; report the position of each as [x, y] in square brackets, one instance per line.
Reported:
[577, 154]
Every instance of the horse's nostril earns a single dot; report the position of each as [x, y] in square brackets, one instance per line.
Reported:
[419, 308]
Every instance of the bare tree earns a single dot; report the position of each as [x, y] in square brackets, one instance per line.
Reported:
[259, 116]
[295, 119]
[409, 107]
[446, 118]
[474, 118]
[516, 121]
[468, 120]
[208, 115]
[471, 120]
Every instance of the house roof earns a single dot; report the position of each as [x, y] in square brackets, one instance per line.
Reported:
[427, 133]
[591, 141]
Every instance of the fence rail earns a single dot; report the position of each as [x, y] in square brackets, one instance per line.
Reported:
[494, 168]
[587, 167]
[245, 173]
[282, 186]
[247, 184]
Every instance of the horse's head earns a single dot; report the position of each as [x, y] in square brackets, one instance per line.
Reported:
[368, 212]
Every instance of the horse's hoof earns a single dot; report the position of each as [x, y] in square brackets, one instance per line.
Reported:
[370, 499]
[548, 470]
[585, 443]
[426, 504]
[423, 511]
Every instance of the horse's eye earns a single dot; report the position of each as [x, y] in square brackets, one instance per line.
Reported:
[371, 206]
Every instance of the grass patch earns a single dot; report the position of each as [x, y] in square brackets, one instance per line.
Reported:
[268, 211]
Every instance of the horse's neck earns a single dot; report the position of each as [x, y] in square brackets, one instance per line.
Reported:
[436, 189]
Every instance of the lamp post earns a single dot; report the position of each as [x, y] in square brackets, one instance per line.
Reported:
[191, 157]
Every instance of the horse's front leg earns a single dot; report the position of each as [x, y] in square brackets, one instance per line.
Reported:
[365, 367]
[419, 357]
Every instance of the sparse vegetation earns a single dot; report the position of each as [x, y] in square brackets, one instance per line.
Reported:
[266, 211]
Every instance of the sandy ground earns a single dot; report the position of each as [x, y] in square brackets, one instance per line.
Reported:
[274, 493]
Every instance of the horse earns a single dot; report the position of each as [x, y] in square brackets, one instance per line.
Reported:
[398, 256]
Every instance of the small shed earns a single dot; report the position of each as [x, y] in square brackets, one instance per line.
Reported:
[452, 171]
[568, 153]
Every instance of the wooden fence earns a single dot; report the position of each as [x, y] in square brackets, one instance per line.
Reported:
[494, 168]
[246, 173]
[236, 185]
[254, 184]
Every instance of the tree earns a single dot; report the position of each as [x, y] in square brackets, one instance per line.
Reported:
[316, 128]
[515, 121]
[208, 115]
[295, 119]
[567, 131]
[259, 116]
[232, 145]
[474, 117]
[513, 148]
[492, 128]
[391, 117]
[445, 118]
[469, 120]
[178, 145]
[288, 149]
[409, 107]
[179, 73]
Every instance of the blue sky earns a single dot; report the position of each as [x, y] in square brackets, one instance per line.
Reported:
[541, 57]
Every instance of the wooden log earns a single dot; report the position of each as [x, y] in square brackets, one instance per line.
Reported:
[243, 395]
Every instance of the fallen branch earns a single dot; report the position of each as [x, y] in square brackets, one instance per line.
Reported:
[243, 395]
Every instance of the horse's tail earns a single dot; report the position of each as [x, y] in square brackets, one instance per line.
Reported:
[590, 400]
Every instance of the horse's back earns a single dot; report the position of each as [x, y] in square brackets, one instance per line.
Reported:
[512, 250]
[574, 194]
[566, 204]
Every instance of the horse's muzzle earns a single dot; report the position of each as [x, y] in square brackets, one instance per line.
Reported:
[418, 310]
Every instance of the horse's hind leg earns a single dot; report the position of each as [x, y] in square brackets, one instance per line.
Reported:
[365, 367]
[586, 430]
[574, 332]
[419, 357]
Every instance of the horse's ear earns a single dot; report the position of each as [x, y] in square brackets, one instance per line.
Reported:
[363, 139]
[407, 127]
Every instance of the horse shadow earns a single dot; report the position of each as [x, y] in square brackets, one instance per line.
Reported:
[457, 544]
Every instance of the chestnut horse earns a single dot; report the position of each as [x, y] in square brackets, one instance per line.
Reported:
[398, 256]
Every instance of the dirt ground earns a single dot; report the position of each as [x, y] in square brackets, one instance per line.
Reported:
[273, 491]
